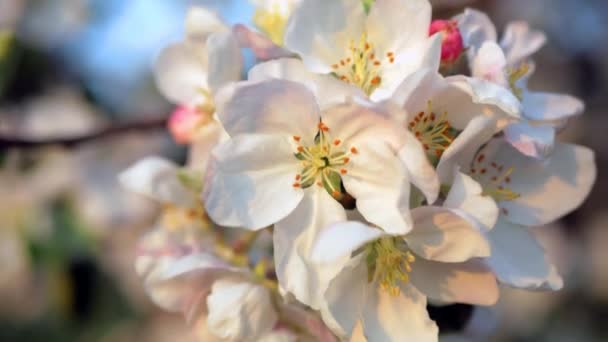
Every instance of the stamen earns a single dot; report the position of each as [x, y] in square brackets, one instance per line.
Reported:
[433, 132]
[389, 263]
[493, 180]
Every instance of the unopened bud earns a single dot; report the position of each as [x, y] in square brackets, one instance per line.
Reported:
[451, 45]
[184, 123]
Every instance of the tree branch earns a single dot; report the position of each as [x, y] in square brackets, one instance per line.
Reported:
[75, 141]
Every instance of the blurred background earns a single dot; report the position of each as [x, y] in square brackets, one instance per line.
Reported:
[68, 232]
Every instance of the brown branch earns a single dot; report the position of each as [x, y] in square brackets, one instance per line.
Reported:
[75, 141]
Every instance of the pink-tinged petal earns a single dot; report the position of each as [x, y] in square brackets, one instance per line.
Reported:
[532, 141]
[294, 240]
[184, 123]
[180, 74]
[320, 31]
[446, 235]
[249, 182]
[269, 107]
[470, 282]
[551, 107]
[397, 318]
[156, 178]
[518, 260]
[201, 22]
[225, 60]
[452, 45]
[520, 42]
[490, 64]
[328, 90]
[262, 46]
[547, 189]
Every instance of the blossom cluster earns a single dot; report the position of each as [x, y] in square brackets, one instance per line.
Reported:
[375, 161]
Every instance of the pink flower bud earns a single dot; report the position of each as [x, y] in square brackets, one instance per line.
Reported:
[451, 45]
[184, 123]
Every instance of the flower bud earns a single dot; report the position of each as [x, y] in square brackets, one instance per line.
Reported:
[184, 123]
[451, 45]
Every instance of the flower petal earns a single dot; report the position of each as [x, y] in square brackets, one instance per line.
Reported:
[532, 141]
[519, 261]
[156, 178]
[249, 182]
[419, 170]
[520, 42]
[201, 22]
[263, 47]
[463, 149]
[489, 93]
[225, 60]
[320, 31]
[548, 189]
[467, 195]
[203, 143]
[378, 181]
[551, 107]
[180, 73]
[490, 64]
[343, 238]
[397, 318]
[268, 107]
[294, 239]
[345, 298]
[446, 235]
[475, 28]
[470, 282]
[328, 90]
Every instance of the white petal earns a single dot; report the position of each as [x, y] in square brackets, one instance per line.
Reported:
[488, 93]
[180, 73]
[328, 90]
[320, 31]
[203, 143]
[532, 141]
[419, 170]
[398, 318]
[551, 107]
[294, 239]
[156, 178]
[201, 22]
[463, 149]
[343, 238]
[396, 25]
[249, 182]
[446, 235]
[239, 310]
[519, 261]
[263, 47]
[378, 181]
[345, 297]
[475, 28]
[470, 282]
[268, 107]
[490, 64]
[520, 42]
[550, 189]
[176, 282]
[467, 195]
[225, 60]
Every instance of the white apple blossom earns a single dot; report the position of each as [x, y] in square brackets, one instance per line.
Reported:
[529, 193]
[286, 163]
[508, 64]
[374, 51]
[385, 285]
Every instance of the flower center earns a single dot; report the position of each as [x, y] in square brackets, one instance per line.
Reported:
[516, 74]
[177, 218]
[389, 263]
[494, 178]
[434, 132]
[361, 66]
[323, 162]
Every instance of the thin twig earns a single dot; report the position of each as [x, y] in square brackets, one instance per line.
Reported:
[75, 141]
